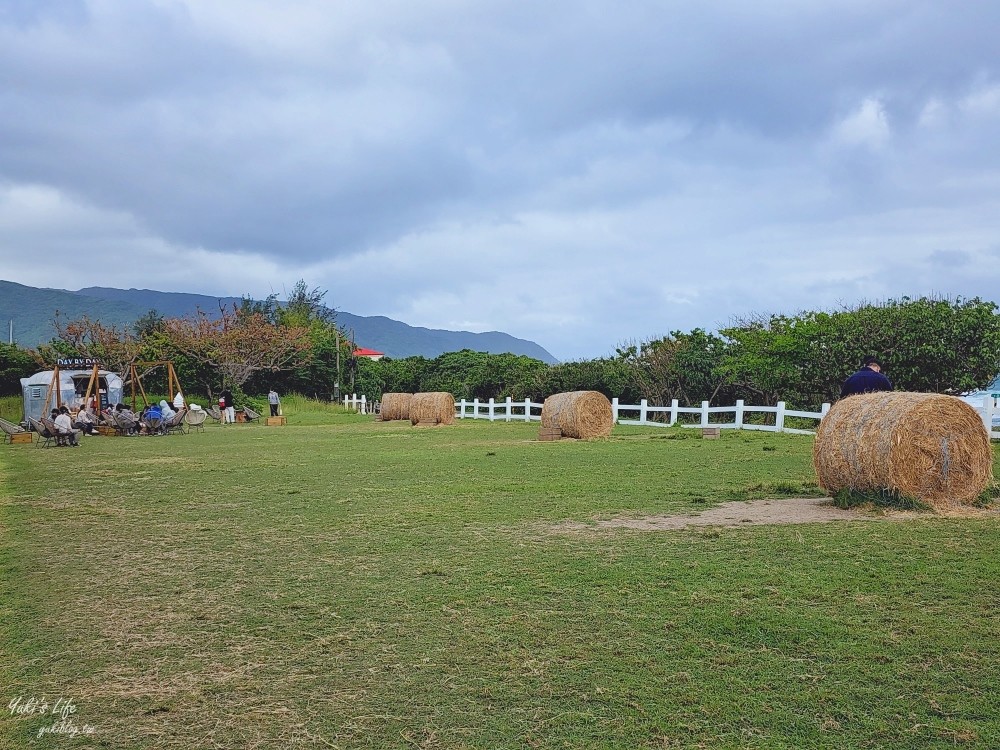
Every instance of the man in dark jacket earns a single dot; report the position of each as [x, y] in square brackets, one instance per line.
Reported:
[868, 379]
[229, 407]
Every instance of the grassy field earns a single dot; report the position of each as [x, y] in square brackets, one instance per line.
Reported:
[341, 583]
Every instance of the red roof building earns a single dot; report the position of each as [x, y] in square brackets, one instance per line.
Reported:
[369, 353]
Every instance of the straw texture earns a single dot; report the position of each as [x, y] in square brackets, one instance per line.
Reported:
[395, 406]
[579, 414]
[931, 447]
[432, 408]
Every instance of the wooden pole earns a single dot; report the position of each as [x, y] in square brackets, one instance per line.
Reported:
[53, 384]
[95, 384]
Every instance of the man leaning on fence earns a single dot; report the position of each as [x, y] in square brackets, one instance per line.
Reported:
[868, 379]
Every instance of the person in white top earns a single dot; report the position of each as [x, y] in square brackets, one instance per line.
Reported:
[165, 410]
[85, 423]
[65, 425]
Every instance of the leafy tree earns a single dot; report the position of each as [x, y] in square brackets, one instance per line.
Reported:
[238, 344]
[15, 363]
[148, 324]
[931, 345]
[685, 366]
[116, 348]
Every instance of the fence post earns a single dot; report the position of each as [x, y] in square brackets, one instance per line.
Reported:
[492, 409]
[510, 404]
[527, 410]
[739, 413]
[643, 410]
[674, 403]
[823, 410]
[614, 410]
[704, 413]
[475, 408]
[988, 414]
[779, 417]
[364, 404]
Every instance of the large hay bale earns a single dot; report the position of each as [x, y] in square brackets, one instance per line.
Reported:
[395, 406]
[432, 408]
[579, 414]
[931, 447]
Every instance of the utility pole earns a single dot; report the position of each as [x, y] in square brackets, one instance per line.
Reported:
[336, 385]
[354, 360]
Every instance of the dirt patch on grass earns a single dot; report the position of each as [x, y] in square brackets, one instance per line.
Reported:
[769, 513]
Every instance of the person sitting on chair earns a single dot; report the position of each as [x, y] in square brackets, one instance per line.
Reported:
[165, 411]
[65, 427]
[85, 423]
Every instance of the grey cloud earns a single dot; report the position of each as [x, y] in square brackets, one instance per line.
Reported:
[702, 146]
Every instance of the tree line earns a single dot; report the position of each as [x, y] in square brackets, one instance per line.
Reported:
[925, 344]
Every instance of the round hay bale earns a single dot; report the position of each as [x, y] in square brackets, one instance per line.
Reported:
[395, 406]
[927, 446]
[432, 408]
[579, 414]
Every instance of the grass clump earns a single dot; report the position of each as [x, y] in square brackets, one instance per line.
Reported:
[988, 497]
[880, 498]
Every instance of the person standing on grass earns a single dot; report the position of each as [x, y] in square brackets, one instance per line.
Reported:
[274, 402]
[869, 379]
[229, 414]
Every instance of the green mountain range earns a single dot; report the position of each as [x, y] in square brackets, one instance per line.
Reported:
[32, 312]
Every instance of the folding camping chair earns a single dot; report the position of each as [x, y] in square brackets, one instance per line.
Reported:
[214, 413]
[61, 436]
[249, 415]
[9, 430]
[175, 423]
[45, 437]
[195, 419]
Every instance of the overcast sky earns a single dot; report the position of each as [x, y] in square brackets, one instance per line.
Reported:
[580, 173]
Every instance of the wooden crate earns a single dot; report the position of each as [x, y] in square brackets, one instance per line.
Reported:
[106, 431]
[22, 437]
[549, 433]
[274, 421]
[711, 433]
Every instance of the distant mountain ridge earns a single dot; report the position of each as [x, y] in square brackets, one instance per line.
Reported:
[33, 309]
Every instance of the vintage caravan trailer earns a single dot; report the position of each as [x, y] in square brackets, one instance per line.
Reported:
[74, 377]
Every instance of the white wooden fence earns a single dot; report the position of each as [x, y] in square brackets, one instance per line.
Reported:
[639, 414]
[629, 414]
[987, 411]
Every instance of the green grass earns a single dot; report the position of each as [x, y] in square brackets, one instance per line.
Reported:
[343, 583]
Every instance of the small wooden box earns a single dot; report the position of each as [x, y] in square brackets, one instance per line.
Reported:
[106, 431]
[711, 433]
[549, 433]
[274, 421]
[22, 437]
